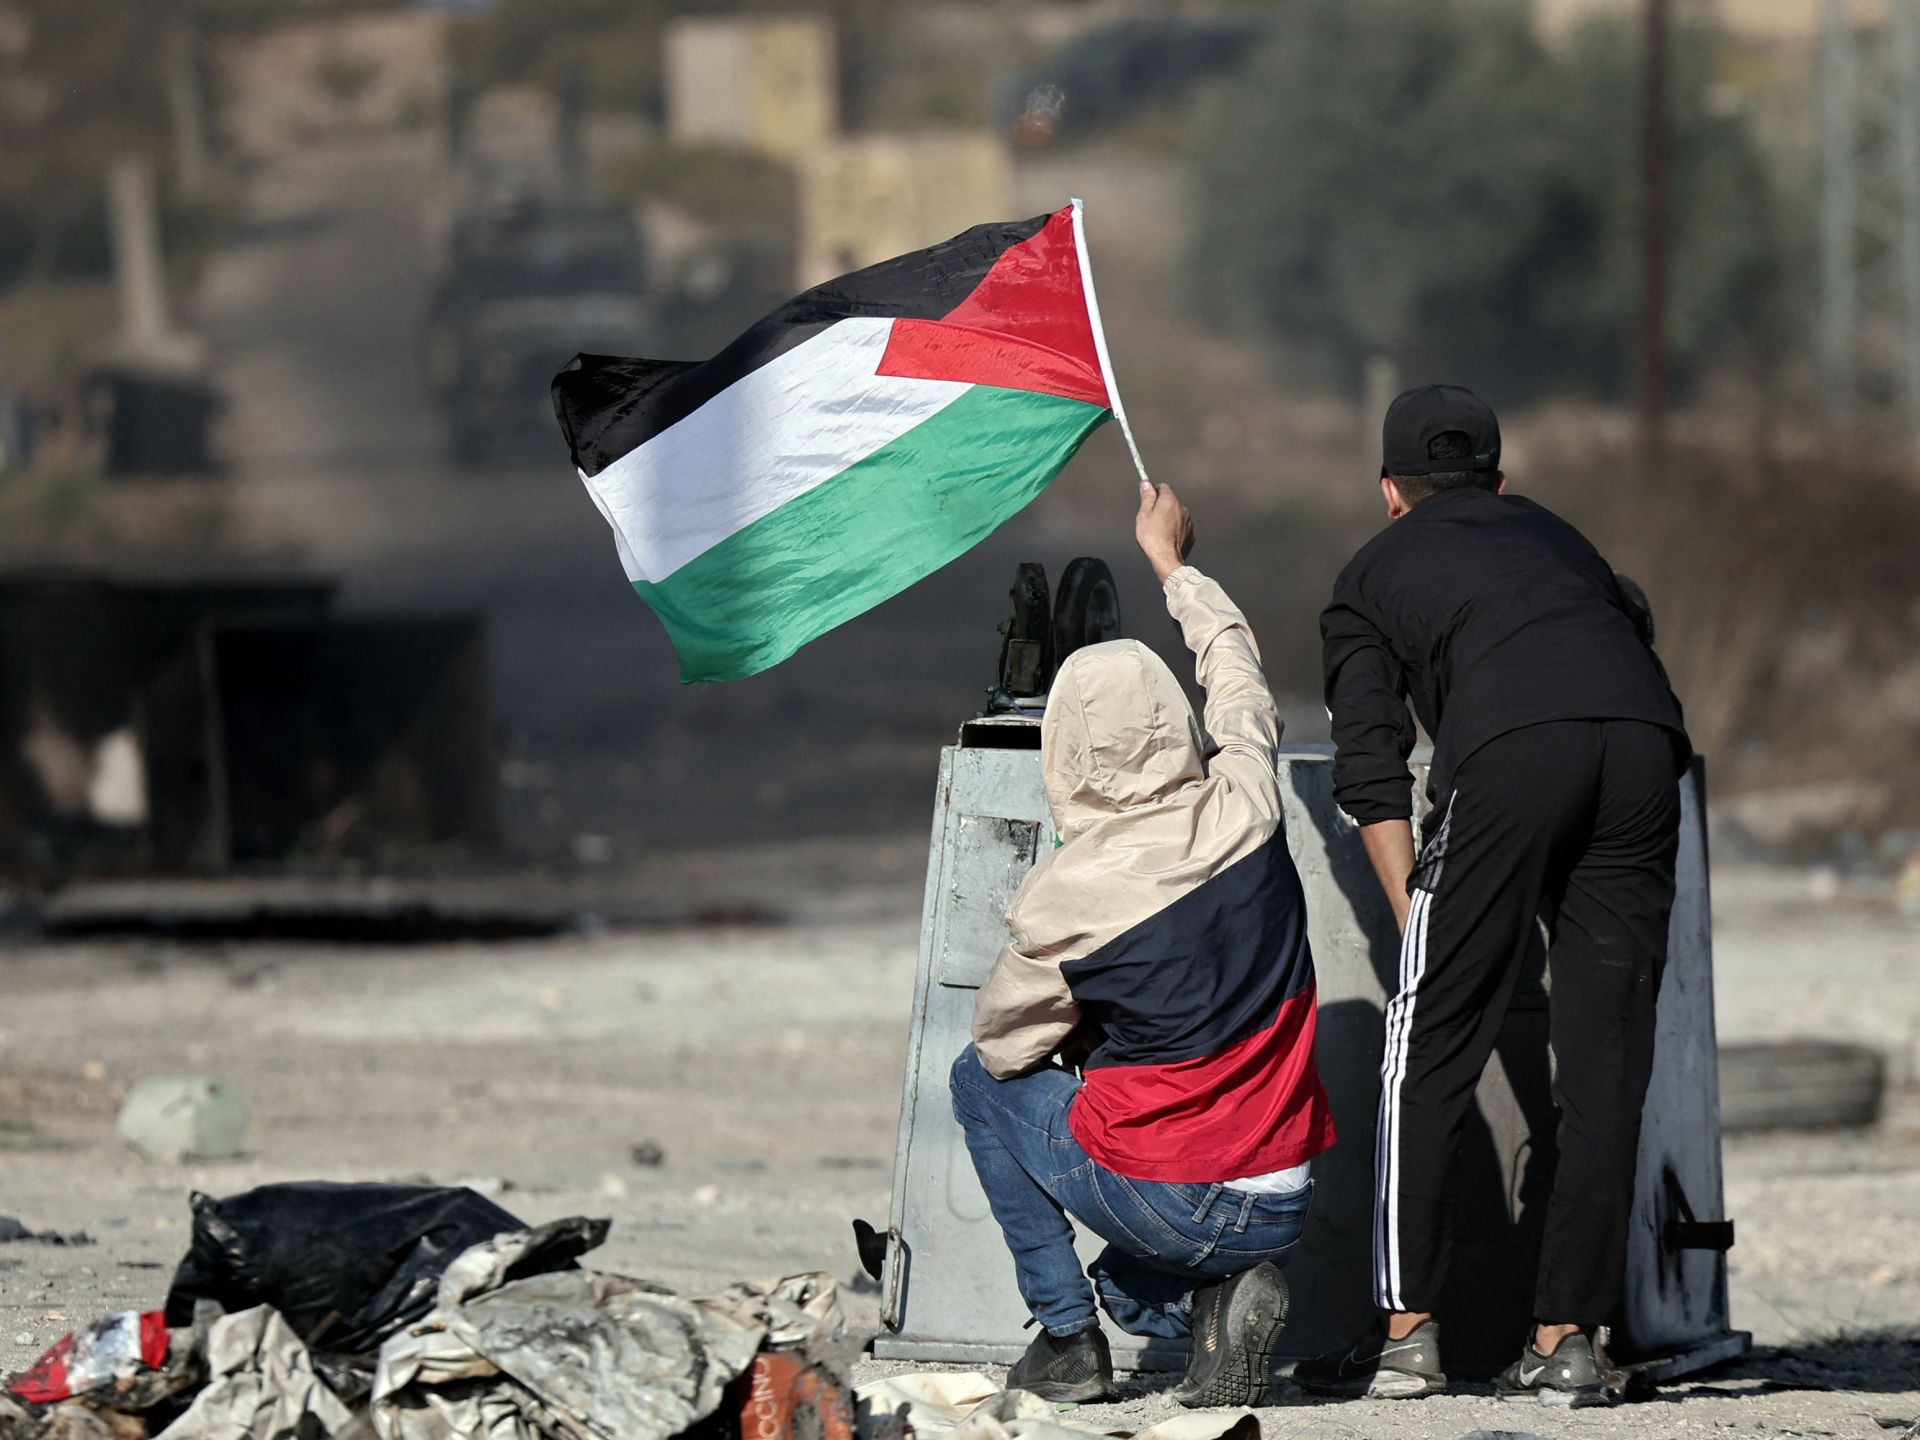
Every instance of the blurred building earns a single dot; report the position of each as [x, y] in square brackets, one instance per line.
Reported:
[308, 78]
[1790, 21]
[768, 84]
[865, 198]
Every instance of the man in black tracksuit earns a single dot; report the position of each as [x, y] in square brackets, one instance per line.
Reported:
[1557, 746]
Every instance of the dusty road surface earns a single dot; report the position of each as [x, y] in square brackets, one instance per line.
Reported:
[765, 1063]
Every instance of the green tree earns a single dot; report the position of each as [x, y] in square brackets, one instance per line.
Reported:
[1425, 180]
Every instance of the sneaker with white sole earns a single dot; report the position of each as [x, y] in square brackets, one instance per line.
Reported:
[1570, 1376]
[1376, 1368]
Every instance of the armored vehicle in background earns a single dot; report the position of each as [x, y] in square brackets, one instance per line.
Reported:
[522, 290]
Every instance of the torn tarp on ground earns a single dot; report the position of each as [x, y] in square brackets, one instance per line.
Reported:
[509, 1353]
[262, 1386]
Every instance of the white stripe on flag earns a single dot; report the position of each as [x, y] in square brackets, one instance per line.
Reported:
[791, 425]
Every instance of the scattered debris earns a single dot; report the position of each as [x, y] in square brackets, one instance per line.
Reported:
[966, 1405]
[12, 1232]
[190, 1117]
[264, 1385]
[781, 1397]
[515, 1344]
[107, 1381]
[346, 1265]
[113, 1348]
[77, 1420]
[513, 1341]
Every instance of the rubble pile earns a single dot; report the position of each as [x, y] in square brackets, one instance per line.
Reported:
[321, 1311]
[346, 1312]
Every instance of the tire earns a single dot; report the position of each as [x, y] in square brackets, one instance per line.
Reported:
[1086, 607]
[1799, 1085]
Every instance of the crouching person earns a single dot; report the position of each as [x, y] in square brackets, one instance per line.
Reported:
[1165, 944]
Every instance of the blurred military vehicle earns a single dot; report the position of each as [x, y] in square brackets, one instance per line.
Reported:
[523, 288]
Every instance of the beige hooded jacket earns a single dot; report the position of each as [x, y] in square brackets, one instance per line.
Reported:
[1170, 917]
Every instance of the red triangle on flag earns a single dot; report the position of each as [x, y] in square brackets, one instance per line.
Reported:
[1024, 327]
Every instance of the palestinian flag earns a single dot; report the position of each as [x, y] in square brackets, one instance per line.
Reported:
[850, 443]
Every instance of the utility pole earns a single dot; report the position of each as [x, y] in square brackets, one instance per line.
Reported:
[187, 104]
[1654, 212]
[1870, 216]
[1905, 124]
[1839, 210]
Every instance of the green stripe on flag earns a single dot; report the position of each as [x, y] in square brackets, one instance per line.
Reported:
[868, 533]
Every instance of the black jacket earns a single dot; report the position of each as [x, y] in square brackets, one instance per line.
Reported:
[1491, 613]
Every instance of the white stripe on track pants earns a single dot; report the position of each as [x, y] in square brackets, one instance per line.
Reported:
[1576, 822]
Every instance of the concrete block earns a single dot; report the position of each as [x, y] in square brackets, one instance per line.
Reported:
[188, 1117]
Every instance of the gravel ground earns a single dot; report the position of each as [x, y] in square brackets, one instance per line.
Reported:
[765, 1064]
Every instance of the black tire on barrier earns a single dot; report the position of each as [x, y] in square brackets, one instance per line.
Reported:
[1086, 607]
[1799, 1085]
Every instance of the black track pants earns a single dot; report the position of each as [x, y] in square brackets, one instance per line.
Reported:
[1576, 823]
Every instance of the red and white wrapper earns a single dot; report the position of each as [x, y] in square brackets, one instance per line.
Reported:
[115, 1347]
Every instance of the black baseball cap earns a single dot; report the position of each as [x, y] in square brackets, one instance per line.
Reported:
[1419, 414]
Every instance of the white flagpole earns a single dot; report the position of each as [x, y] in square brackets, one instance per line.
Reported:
[1100, 338]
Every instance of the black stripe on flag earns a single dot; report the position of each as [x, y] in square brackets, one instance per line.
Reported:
[609, 405]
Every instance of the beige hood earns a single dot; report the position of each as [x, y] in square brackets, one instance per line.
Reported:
[1118, 733]
[1144, 818]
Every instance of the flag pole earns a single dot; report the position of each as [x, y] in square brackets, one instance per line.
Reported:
[1100, 338]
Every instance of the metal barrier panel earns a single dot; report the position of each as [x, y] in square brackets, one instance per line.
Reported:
[948, 1289]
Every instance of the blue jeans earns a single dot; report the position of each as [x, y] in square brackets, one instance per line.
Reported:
[1162, 1239]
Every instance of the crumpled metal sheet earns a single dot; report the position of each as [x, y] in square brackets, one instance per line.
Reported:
[578, 1354]
[263, 1386]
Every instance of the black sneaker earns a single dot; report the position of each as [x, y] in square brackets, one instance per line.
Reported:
[1066, 1369]
[1569, 1376]
[1376, 1368]
[1234, 1325]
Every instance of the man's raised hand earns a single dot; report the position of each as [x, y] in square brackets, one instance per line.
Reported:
[1164, 528]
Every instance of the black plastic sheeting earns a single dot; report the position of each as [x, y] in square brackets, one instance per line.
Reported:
[347, 1265]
